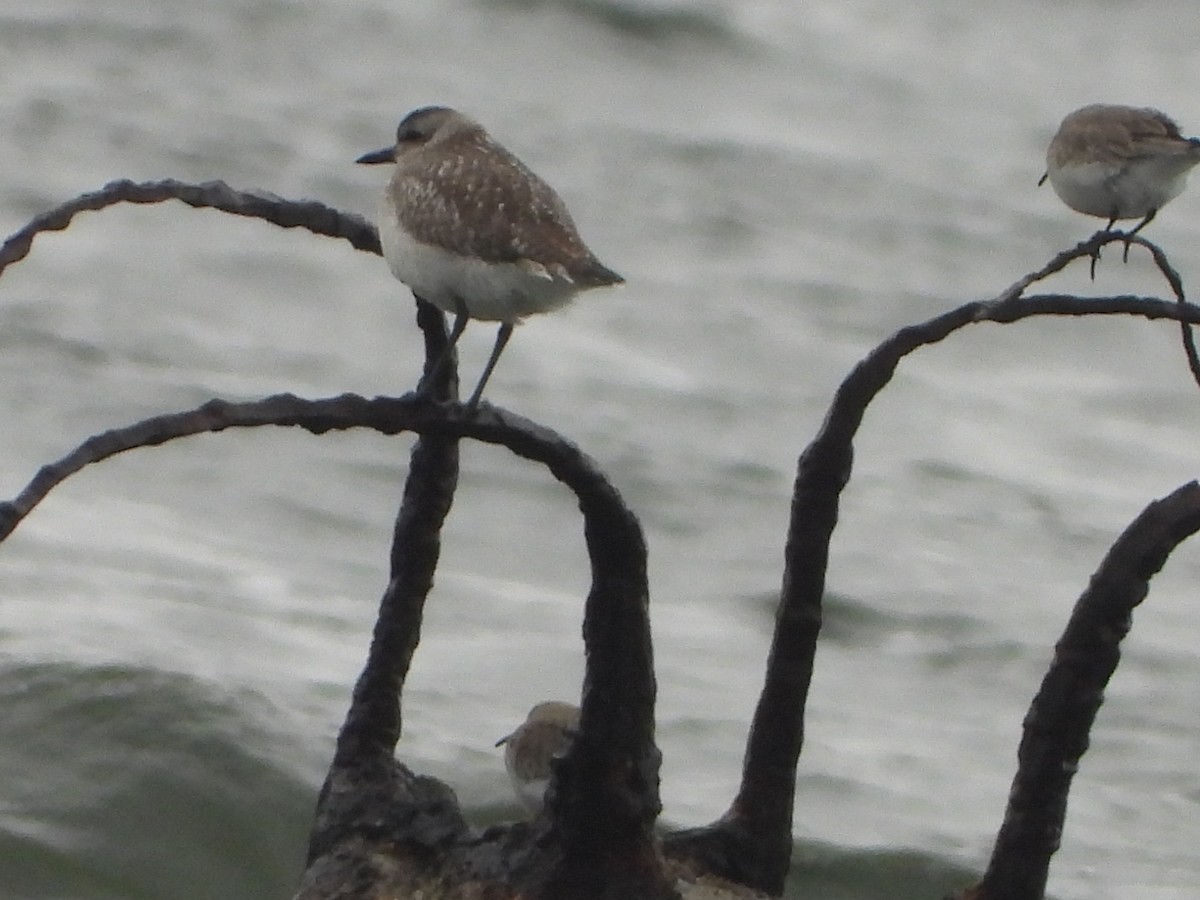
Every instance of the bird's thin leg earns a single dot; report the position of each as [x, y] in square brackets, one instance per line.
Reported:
[460, 325]
[1142, 224]
[502, 337]
[1146, 221]
[1108, 227]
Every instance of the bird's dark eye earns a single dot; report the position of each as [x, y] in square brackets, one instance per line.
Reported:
[409, 133]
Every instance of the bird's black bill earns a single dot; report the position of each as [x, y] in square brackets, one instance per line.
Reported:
[387, 155]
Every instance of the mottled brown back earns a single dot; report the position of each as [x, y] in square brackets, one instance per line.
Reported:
[465, 193]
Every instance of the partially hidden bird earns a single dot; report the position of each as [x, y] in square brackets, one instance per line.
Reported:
[547, 732]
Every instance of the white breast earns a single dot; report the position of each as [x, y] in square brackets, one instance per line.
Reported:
[532, 794]
[498, 292]
[1101, 189]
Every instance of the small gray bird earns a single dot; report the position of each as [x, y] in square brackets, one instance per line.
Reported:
[469, 228]
[547, 732]
[1119, 162]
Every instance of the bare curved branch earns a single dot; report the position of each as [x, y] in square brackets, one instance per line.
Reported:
[309, 214]
[607, 787]
[364, 782]
[1061, 715]
[752, 842]
[1173, 279]
[599, 832]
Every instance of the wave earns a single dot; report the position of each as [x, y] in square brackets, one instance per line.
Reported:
[134, 783]
[650, 20]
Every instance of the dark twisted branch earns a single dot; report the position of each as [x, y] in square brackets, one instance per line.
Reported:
[752, 842]
[309, 214]
[365, 784]
[1061, 715]
[599, 841]
[373, 723]
[434, 463]
[1172, 278]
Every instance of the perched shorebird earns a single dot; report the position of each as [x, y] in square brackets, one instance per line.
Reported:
[1119, 162]
[547, 732]
[469, 228]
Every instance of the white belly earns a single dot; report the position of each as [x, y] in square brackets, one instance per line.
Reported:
[498, 292]
[532, 794]
[1098, 189]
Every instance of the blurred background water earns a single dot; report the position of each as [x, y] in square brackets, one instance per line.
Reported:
[783, 185]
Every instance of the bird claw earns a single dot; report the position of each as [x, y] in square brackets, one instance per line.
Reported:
[1095, 255]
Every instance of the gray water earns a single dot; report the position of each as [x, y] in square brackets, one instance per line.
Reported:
[783, 185]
